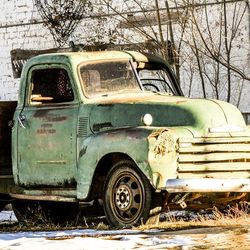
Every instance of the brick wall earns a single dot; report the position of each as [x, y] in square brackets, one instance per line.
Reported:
[21, 28]
[17, 30]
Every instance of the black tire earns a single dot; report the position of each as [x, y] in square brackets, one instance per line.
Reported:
[127, 196]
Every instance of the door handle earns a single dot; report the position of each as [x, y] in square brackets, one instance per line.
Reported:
[21, 119]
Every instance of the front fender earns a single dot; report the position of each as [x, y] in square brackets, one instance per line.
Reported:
[129, 141]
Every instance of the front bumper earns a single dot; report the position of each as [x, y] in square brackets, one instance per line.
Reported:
[207, 185]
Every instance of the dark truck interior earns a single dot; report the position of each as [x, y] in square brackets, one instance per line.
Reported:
[7, 109]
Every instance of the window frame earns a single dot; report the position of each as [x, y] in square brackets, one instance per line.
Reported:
[28, 94]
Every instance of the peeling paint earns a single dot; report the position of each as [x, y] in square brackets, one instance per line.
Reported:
[82, 152]
[46, 131]
[100, 126]
[55, 118]
[164, 142]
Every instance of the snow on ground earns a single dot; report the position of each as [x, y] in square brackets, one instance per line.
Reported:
[86, 239]
[7, 217]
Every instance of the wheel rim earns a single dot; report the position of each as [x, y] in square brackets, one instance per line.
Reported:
[128, 198]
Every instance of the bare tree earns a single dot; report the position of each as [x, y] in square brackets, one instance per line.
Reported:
[213, 34]
[151, 24]
[199, 39]
[219, 46]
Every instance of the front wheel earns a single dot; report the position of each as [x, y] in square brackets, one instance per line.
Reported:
[127, 196]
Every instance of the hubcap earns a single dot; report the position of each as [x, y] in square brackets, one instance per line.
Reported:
[123, 197]
[127, 198]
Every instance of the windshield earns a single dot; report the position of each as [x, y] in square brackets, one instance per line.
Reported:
[104, 78]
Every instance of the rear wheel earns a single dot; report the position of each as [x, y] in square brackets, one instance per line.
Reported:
[127, 197]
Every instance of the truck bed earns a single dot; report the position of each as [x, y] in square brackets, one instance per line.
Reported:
[7, 109]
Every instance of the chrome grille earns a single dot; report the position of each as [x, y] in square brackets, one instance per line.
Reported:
[213, 157]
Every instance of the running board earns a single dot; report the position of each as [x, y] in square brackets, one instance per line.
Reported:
[208, 185]
[44, 194]
[43, 197]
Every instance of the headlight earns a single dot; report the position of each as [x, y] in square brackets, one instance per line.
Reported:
[147, 119]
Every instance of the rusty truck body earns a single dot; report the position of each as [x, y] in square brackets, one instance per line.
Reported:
[113, 127]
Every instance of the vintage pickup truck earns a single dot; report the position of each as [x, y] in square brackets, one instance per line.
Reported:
[113, 128]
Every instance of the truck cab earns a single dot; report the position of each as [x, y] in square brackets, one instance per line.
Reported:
[114, 127]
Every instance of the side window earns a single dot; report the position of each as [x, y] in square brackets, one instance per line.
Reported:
[50, 86]
[156, 81]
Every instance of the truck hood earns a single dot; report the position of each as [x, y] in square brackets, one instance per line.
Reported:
[199, 116]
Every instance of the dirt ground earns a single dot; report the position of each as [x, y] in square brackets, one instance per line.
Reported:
[214, 237]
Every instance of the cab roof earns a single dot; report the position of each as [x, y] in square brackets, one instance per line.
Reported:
[79, 57]
[76, 58]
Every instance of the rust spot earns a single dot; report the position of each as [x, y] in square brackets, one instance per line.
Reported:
[46, 131]
[157, 133]
[130, 133]
[82, 152]
[47, 125]
[136, 134]
[164, 142]
[97, 127]
[55, 118]
[41, 113]
[105, 105]
[179, 102]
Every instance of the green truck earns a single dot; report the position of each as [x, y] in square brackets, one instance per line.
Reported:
[112, 129]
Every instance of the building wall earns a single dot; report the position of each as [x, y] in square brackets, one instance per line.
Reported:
[18, 30]
[21, 27]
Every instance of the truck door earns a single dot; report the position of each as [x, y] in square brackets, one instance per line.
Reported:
[46, 133]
